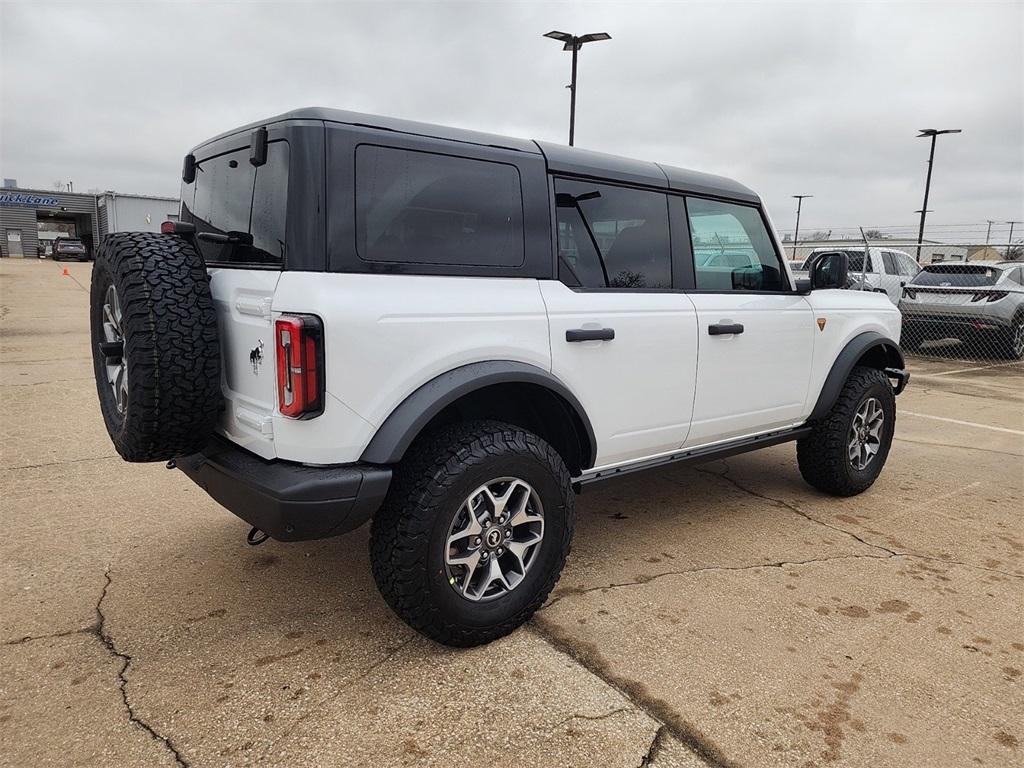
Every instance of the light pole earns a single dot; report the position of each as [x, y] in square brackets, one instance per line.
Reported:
[574, 43]
[988, 234]
[796, 234]
[932, 132]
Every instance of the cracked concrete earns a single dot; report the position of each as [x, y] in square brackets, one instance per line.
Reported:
[724, 615]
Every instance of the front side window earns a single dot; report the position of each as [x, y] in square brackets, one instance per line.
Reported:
[732, 250]
[889, 262]
[907, 266]
[612, 237]
[424, 208]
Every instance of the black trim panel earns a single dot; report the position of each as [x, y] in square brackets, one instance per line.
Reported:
[289, 501]
[407, 420]
[847, 359]
[700, 455]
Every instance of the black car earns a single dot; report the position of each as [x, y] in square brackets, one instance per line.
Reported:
[69, 248]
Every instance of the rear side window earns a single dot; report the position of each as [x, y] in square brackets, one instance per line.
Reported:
[234, 198]
[889, 262]
[426, 208]
[732, 250]
[612, 237]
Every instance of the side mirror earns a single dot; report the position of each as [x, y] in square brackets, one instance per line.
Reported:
[830, 271]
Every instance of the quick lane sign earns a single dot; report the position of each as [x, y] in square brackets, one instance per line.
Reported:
[31, 201]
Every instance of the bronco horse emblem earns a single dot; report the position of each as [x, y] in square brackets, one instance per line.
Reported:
[256, 357]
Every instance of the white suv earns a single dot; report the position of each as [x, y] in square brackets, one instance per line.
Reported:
[452, 333]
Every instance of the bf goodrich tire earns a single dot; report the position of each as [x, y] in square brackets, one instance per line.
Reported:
[474, 532]
[847, 449]
[156, 354]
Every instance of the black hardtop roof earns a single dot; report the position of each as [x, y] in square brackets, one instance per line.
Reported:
[559, 157]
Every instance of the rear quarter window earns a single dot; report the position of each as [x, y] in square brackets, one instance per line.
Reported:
[231, 195]
[424, 208]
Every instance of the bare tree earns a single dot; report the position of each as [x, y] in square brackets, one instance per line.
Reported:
[59, 186]
[875, 234]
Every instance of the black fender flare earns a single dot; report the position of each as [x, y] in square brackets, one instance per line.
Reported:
[399, 429]
[854, 350]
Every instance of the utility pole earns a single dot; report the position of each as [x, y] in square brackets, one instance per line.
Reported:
[928, 132]
[574, 43]
[988, 234]
[1009, 240]
[796, 234]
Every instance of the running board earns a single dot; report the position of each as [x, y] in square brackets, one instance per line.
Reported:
[701, 455]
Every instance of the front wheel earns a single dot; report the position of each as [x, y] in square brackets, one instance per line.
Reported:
[474, 532]
[847, 449]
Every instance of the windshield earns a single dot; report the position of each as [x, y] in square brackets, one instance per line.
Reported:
[957, 275]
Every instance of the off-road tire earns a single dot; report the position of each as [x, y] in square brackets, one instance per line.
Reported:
[823, 455]
[408, 535]
[170, 344]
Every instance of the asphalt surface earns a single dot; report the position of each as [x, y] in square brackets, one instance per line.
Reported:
[723, 615]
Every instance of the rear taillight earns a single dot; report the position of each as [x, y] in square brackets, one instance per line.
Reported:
[299, 340]
[988, 296]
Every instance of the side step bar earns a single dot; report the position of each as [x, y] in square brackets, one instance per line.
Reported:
[701, 455]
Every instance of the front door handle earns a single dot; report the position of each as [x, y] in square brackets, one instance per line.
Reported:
[590, 334]
[722, 329]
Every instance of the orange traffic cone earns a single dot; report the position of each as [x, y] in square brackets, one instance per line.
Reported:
[65, 273]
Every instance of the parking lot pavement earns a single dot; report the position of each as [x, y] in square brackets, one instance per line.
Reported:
[719, 615]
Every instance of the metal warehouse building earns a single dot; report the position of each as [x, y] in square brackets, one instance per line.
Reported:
[30, 219]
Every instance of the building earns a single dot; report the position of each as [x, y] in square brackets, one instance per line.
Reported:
[30, 219]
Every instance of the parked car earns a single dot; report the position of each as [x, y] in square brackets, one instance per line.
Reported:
[981, 302]
[473, 329]
[888, 270]
[69, 248]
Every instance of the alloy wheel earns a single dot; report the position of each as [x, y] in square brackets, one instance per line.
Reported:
[112, 349]
[866, 433]
[494, 539]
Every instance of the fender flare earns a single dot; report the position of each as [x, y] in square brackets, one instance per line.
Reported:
[399, 429]
[854, 350]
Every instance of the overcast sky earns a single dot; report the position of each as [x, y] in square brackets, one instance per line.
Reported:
[816, 98]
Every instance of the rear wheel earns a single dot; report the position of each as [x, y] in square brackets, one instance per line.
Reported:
[847, 449]
[474, 532]
[1013, 342]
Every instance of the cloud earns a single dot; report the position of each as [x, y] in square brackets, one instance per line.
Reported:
[815, 98]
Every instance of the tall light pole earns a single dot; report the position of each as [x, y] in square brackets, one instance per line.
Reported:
[796, 234]
[932, 132]
[574, 43]
[988, 234]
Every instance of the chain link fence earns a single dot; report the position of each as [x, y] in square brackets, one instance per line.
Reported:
[959, 301]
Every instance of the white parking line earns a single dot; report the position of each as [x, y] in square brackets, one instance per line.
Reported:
[964, 423]
[963, 370]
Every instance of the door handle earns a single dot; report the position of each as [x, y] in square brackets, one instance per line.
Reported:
[723, 329]
[590, 334]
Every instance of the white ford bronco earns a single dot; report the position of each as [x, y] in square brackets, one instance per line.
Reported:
[452, 333]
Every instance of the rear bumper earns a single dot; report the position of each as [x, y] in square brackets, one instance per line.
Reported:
[288, 501]
[953, 324]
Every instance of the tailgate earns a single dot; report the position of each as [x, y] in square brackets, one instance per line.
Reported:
[243, 298]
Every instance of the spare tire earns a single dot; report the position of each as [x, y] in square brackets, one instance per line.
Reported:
[155, 347]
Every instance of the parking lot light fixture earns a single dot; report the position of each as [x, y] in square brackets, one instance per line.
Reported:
[1009, 240]
[574, 43]
[796, 234]
[929, 132]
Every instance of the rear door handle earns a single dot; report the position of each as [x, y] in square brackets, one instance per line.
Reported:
[722, 329]
[588, 334]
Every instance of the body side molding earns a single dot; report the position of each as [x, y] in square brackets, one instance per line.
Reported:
[394, 436]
